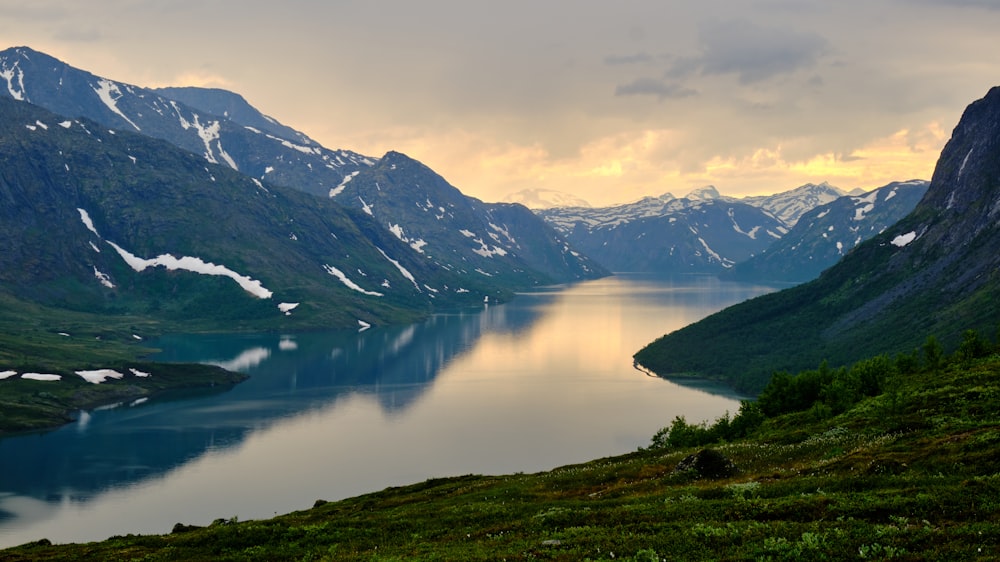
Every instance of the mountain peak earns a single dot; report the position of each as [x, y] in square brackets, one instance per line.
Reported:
[704, 193]
[545, 199]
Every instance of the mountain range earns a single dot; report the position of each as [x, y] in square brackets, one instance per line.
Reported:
[188, 202]
[825, 233]
[936, 272]
[702, 232]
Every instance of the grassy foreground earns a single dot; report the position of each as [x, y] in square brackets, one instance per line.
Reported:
[910, 474]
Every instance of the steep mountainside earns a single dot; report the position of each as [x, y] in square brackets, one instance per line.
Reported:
[234, 107]
[120, 223]
[700, 233]
[935, 272]
[223, 128]
[824, 234]
[275, 153]
[504, 242]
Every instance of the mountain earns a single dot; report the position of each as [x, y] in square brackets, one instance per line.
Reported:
[700, 233]
[789, 206]
[225, 129]
[234, 107]
[237, 136]
[545, 199]
[119, 223]
[935, 272]
[825, 233]
[505, 242]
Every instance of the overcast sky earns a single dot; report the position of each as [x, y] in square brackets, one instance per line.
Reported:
[607, 100]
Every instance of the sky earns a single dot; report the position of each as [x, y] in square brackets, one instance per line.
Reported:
[608, 101]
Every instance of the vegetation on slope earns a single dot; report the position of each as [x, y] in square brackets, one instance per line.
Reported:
[36, 339]
[890, 459]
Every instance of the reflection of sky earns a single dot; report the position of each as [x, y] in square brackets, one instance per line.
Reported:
[542, 381]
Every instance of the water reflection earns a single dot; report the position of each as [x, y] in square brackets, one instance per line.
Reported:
[290, 375]
[542, 381]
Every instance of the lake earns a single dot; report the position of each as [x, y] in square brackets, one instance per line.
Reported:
[542, 381]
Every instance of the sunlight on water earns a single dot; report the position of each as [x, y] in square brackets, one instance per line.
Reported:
[539, 382]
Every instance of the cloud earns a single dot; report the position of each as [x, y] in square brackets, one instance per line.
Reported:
[985, 4]
[637, 58]
[754, 53]
[78, 35]
[654, 87]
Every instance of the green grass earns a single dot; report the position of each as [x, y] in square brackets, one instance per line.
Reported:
[909, 474]
[44, 340]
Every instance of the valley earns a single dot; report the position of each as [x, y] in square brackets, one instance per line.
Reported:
[210, 291]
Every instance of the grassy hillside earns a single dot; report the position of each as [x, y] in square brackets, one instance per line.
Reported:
[907, 473]
[37, 339]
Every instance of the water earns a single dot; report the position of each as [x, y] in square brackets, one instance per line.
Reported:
[540, 382]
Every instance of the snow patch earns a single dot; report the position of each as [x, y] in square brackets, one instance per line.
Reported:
[904, 239]
[10, 74]
[343, 183]
[347, 282]
[964, 162]
[40, 377]
[363, 325]
[7, 374]
[196, 265]
[366, 207]
[103, 278]
[138, 373]
[100, 375]
[85, 217]
[402, 270]
[109, 93]
[287, 307]
[865, 205]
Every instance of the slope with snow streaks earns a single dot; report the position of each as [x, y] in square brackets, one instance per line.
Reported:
[827, 233]
[259, 147]
[702, 232]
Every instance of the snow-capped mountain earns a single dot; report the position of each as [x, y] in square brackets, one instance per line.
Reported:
[790, 205]
[826, 233]
[224, 129]
[460, 233]
[115, 222]
[704, 231]
[237, 136]
[545, 199]
[701, 232]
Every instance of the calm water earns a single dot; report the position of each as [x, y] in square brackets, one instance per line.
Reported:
[543, 381]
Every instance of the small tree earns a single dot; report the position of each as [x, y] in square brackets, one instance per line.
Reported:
[933, 354]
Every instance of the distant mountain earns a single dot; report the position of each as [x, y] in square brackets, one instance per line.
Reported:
[700, 233]
[936, 272]
[545, 199]
[221, 126]
[826, 233]
[118, 223]
[789, 206]
[500, 241]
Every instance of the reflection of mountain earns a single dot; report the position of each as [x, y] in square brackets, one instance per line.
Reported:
[290, 375]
